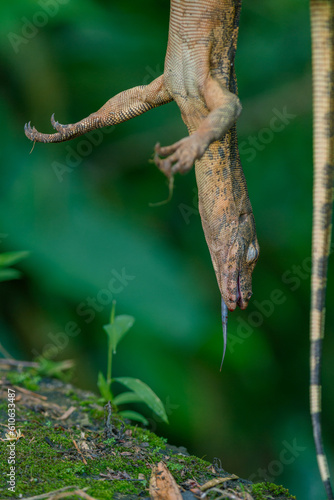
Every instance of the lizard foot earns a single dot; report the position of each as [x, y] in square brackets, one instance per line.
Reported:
[36, 136]
[180, 156]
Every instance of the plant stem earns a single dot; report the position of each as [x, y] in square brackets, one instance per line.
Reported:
[109, 364]
[109, 367]
[112, 315]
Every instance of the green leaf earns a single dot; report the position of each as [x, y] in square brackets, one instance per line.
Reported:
[133, 415]
[127, 397]
[10, 258]
[118, 329]
[146, 394]
[104, 387]
[9, 274]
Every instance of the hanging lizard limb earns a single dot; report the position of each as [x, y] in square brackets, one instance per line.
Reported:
[322, 26]
[199, 75]
[118, 109]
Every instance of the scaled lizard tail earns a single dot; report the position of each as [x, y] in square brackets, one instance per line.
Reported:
[322, 26]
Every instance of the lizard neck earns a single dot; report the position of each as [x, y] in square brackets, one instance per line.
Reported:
[219, 172]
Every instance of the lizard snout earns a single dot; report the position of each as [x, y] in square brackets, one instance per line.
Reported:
[239, 297]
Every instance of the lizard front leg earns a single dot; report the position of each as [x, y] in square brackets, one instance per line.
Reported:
[122, 107]
[224, 109]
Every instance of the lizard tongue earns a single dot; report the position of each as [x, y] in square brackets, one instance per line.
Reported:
[224, 322]
[224, 312]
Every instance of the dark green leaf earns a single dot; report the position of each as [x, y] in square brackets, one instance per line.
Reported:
[133, 415]
[127, 397]
[10, 258]
[118, 329]
[9, 274]
[146, 394]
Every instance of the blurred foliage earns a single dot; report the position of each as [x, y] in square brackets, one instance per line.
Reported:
[8, 259]
[82, 210]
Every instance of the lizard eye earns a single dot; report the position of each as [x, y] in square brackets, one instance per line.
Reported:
[252, 254]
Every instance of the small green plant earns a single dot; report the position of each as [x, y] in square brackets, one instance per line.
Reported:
[8, 259]
[139, 391]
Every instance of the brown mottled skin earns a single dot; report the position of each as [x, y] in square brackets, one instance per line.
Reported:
[322, 26]
[199, 75]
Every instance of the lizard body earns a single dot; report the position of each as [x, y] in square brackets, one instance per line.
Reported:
[199, 75]
[322, 28]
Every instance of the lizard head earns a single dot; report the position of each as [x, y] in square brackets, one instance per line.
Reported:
[234, 259]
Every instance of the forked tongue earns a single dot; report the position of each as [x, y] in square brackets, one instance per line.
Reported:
[224, 322]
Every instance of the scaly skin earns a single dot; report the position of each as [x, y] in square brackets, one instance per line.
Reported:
[199, 75]
[205, 92]
[322, 24]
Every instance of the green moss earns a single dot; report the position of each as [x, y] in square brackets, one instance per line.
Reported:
[112, 465]
[97, 414]
[87, 402]
[47, 456]
[27, 379]
[260, 491]
[145, 436]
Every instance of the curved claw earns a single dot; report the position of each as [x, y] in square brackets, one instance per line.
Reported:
[56, 125]
[224, 322]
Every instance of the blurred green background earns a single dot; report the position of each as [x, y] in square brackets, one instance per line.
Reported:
[82, 209]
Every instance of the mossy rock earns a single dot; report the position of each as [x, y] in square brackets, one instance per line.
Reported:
[63, 441]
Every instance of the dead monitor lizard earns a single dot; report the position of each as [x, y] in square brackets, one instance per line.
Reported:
[199, 75]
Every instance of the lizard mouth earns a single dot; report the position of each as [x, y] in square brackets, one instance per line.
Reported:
[238, 300]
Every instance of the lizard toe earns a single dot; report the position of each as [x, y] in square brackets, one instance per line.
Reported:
[163, 165]
[30, 131]
[169, 150]
[56, 125]
[181, 166]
